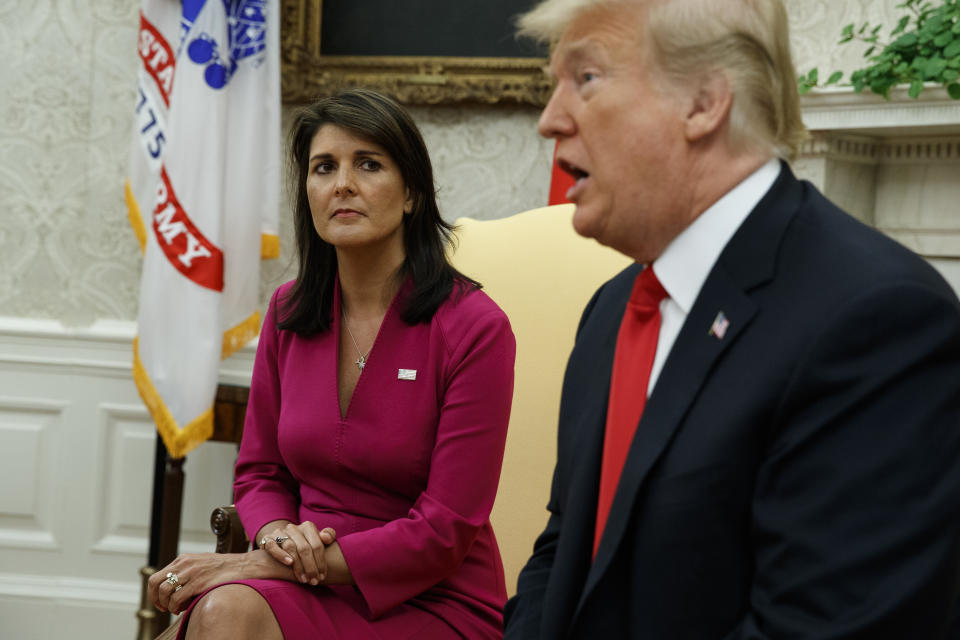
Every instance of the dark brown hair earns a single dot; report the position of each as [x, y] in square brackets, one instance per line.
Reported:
[307, 307]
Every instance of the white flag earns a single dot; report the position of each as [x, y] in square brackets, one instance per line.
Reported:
[158, 38]
[206, 163]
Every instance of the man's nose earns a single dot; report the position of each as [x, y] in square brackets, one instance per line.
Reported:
[555, 121]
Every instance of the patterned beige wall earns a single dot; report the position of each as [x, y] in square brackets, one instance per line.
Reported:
[65, 104]
[815, 29]
[66, 97]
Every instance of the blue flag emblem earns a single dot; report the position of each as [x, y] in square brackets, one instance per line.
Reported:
[246, 30]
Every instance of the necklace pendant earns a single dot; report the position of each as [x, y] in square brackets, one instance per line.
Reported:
[361, 363]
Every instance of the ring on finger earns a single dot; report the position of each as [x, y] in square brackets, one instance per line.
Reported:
[174, 580]
[280, 540]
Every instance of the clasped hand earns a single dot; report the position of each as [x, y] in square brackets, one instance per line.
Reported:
[300, 551]
[300, 547]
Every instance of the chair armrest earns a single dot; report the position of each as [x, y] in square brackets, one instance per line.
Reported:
[170, 633]
[225, 524]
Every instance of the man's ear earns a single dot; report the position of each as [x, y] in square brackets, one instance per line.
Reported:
[709, 109]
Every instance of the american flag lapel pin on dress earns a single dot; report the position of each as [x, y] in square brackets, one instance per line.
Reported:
[406, 374]
[719, 327]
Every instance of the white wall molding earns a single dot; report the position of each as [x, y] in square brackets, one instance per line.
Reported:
[77, 589]
[845, 146]
[28, 540]
[104, 348]
[907, 149]
[840, 109]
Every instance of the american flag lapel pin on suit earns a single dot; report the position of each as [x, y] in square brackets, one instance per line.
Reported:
[719, 327]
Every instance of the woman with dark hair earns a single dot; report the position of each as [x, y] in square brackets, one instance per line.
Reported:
[377, 414]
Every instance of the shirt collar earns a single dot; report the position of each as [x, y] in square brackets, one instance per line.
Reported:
[686, 262]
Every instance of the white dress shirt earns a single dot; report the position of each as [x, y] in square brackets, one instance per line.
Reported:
[687, 261]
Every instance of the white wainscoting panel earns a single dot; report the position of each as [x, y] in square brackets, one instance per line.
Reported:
[76, 480]
[27, 471]
[127, 448]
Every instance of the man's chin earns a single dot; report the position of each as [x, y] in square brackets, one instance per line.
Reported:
[585, 222]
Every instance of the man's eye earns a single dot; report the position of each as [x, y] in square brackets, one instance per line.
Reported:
[587, 76]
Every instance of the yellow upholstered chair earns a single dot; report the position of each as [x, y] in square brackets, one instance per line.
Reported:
[542, 274]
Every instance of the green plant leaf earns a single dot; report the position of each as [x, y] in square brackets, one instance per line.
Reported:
[934, 68]
[904, 21]
[943, 38]
[813, 76]
[915, 88]
[866, 54]
[956, 27]
[806, 82]
[906, 41]
[882, 86]
[862, 29]
[952, 50]
[835, 77]
[954, 90]
[949, 75]
[847, 31]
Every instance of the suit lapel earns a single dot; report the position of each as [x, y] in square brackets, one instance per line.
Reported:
[746, 262]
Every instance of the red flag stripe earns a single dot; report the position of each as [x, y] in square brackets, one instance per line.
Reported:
[186, 248]
[157, 56]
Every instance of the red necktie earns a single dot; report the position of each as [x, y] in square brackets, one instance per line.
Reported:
[632, 361]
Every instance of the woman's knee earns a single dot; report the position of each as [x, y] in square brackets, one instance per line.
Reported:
[232, 611]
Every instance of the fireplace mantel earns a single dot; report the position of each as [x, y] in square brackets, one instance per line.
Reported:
[839, 109]
[894, 164]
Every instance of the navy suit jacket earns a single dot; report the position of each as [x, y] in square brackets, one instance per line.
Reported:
[797, 478]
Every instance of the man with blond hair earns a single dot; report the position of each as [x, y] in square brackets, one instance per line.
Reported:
[759, 435]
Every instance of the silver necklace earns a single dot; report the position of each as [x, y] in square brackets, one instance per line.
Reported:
[361, 362]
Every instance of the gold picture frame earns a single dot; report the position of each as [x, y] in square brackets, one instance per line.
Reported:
[306, 73]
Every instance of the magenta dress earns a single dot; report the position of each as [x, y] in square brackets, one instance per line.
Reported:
[407, 477]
